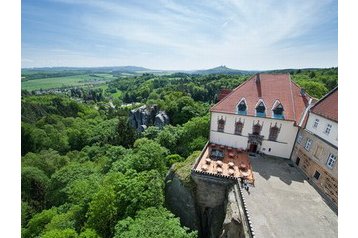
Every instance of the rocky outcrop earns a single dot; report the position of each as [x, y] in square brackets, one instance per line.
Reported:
[234, 224]
[145, 116]
[180, 200]
[211, 205]
[161, 119]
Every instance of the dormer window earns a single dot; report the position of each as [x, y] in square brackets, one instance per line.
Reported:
[260, 109]
[277, 110]
[221, 125]
[241, 107]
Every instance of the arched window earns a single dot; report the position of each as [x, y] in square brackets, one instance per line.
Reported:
[278, 112]
[238, 127]
[221, 125]
[242, 108]
[260, 110]
[274, 133]
[256, 129]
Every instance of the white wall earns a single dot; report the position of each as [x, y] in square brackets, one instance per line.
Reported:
[332, 137]
[282, 147]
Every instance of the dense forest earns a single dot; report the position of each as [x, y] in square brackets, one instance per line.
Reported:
[87, 173]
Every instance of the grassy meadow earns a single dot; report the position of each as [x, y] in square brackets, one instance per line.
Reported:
[57, 82]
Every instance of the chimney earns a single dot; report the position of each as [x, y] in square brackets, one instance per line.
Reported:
[303, 93]
[258, 85]
[257, 79]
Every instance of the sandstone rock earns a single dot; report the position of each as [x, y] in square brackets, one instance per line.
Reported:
[145, 116]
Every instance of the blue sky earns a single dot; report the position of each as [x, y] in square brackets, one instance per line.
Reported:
[187, 34]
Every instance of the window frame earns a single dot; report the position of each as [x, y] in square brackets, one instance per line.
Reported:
[315, 124]
[319, 175]
[299, 139]
[238, 132]
[308, 148]
[278, 105]
[242, 112]
[333, 158]
[260, 105]
[273, 137]
[329, 128]
[257, 125]
[219, 125]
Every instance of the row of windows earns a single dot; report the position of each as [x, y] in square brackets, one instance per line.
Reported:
[328, 127]
[308, 145]
[256, 129]
[277, 111]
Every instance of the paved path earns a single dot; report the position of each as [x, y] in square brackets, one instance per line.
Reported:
[283, 204]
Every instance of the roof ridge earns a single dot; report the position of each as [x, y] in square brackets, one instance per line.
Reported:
[293, 101]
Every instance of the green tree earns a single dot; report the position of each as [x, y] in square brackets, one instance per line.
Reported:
[169, 137]
[88, 233]
[67, 233]
[26, 213]
[38, 222]
[147, 155]
[34, 186]
[125, 132]
[47, 160]
[60, 180]
[314, 89]
[152, 222]
[102, 212]
[141, 190]
[171, 159]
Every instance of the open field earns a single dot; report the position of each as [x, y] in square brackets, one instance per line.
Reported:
[76, 80]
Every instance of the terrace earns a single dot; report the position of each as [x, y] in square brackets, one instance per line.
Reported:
[224, 161]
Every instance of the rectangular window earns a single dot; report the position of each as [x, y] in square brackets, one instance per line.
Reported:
[308, 144]
[315, 125]
[273, 133]
[299, 139]
[221, 125]
[331, 161]
[316, 175]
[328, 129]
[238, 128]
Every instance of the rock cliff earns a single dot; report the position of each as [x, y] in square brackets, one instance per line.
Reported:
[144, 116]
[204, 203]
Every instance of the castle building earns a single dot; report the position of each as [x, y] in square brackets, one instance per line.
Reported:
[263, 114]
[316, 148]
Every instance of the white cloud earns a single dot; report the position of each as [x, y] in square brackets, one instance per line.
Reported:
[244, 34]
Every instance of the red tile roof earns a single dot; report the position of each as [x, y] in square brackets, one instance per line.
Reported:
[269, 88]
[328, 106]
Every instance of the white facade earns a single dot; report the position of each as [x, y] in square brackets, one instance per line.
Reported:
[323, 128]
[282, 147]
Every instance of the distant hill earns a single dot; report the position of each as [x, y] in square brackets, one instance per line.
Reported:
[223, 70]
[291, 71]
[107, 69]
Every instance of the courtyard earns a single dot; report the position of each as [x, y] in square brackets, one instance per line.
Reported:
[284, 204]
